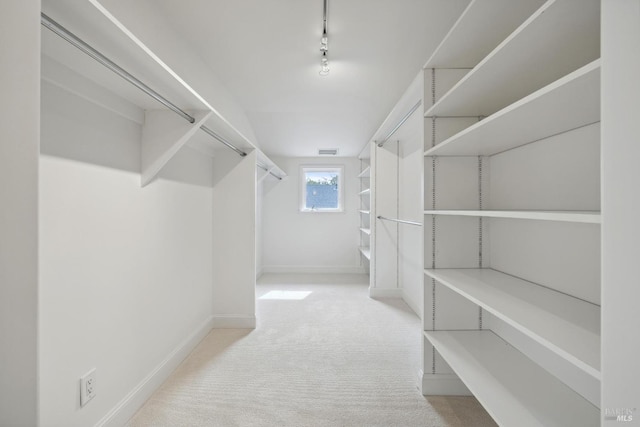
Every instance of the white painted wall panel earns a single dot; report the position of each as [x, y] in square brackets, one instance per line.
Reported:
[125, 271]
[19, 144]
[620, 205]
[310, 242]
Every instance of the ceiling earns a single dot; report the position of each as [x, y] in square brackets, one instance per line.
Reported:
[266, 52]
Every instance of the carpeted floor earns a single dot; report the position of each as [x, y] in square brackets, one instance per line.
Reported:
[334, 358]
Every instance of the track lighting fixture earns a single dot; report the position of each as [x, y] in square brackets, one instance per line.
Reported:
[324, 43]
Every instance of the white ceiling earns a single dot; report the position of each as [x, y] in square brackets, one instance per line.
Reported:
[267, 54]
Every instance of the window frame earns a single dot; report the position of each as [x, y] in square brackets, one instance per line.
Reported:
[303, 187]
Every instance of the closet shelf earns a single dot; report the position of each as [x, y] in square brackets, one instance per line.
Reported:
[512, 388]
[555, 35]
[366, 231]
[365, 251]
[365, 192]
[366, 173]
[588, 217]
[118, 50]
[567, 326]
[471, 39]
[532, 118]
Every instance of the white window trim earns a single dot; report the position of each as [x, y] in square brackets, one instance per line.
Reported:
[303, 187]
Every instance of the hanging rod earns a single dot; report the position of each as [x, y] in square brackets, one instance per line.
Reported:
[67, 35]
[400, 123]
[84, 47]
[455, 117]
[399, 220]
[266, 169]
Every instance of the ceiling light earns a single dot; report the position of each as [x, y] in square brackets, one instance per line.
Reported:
[328, 152]
[324, 64]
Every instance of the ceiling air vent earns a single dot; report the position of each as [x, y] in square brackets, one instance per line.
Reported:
[327, 152]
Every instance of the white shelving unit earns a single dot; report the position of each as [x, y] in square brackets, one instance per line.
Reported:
[511, 127]
[554, 35]
[567, 326]
[511, 162]
[364, 178]
[514, 390]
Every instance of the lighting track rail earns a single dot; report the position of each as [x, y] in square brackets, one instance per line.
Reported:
[74, 40]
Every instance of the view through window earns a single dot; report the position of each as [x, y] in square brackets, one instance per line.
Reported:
[321, 189]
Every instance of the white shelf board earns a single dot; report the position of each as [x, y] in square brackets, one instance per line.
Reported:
[365, 192]
[471, 39]
[365, 173]
[513, 389]
[366, 231]
[588, 217]
[365, 251]
[565, 325]
[365, 212]
[555, 35]
[568, 103]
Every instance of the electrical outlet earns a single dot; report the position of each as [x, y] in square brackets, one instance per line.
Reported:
[87, 387]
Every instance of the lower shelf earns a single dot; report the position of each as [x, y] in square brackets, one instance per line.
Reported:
[366, 252]
[514, 390]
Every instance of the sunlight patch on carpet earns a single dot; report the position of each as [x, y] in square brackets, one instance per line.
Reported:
[286, 295]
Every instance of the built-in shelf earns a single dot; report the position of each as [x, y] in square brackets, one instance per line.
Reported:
[568, 326]
[588, 217]
[366, 231]
[532, 118]
[471, 39]
[555, 35]
[365, 212]
[366, 173]
[365, 192]
[514, 390]
[365, 251]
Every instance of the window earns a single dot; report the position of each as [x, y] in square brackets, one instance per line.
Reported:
[322, 189]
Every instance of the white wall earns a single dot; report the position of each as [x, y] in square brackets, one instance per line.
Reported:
[620, 205]
[125, 271]
[234, 230]
[19, 141]
[310, 242]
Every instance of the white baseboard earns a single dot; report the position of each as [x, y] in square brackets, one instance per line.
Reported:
[234, 321]
[441, 385]
[127, 407]
[385, 292]
[417, 308]
[313, 269]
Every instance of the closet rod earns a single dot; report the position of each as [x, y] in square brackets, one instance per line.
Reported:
[266, 169]
[93, 53]
[84, 47]
[400, 123]
[399, 220]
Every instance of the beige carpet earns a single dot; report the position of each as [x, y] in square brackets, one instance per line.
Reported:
[335, 358]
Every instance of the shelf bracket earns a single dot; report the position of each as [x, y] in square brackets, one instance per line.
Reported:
[163, 134]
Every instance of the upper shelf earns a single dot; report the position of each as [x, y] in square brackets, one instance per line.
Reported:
[91, 25]
[471, 39]
[587, 217]
[101, 30]
[568, 103]
[565, 325]
[512, 388]
[554, 35]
